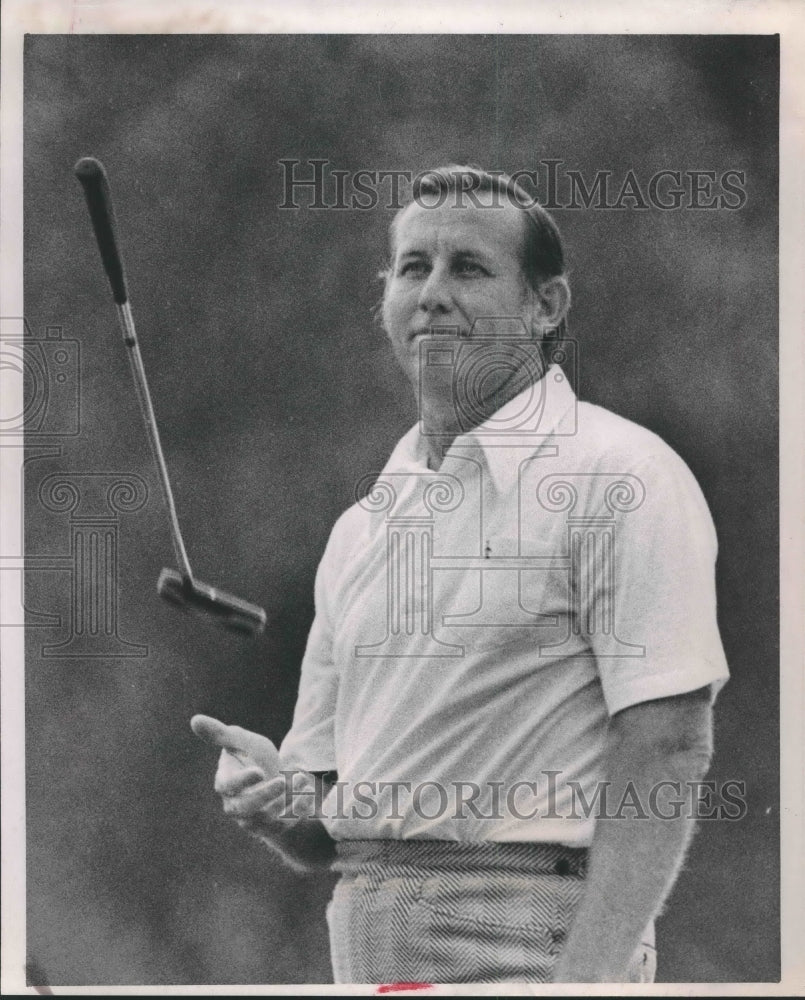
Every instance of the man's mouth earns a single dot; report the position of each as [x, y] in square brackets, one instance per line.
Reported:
[435, 330]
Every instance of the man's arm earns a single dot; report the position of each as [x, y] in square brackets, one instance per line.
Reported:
[634, 861]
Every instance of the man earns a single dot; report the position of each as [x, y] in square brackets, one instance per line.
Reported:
[507, 687]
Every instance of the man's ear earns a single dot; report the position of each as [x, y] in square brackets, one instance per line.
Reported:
[552, 300]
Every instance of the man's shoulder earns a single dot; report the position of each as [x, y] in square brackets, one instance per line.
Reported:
[349, 531]
[604, 437]
[373, 491]
[349, 522]
[609, 444]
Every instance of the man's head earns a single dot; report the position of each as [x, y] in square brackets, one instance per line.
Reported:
[456, 260]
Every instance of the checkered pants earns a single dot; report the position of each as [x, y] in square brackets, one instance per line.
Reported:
[443, 912]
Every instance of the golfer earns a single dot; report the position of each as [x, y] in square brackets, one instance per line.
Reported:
[505, 701]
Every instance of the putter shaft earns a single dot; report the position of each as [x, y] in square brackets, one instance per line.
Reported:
[126, 319]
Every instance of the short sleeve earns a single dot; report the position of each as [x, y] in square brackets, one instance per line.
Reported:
[657, 587]
[310, 743]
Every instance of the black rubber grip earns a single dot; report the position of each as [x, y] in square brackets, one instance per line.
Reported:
[92, 176]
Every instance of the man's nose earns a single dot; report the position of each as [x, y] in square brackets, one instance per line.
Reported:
[435, 295]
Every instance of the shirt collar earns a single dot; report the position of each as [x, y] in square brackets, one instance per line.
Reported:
[524, 424]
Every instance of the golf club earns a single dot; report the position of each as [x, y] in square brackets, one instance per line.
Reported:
[180, 588]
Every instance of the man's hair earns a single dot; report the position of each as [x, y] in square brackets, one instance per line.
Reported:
[542, 255]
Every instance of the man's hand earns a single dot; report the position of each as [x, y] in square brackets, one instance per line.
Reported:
[248, 778]
[254, 794]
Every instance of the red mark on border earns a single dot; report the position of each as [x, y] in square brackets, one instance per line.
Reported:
[398, 987]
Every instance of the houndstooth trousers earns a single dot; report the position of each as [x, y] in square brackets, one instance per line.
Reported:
[441, 912]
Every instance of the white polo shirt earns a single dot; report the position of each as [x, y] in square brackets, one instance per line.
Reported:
[476, 627]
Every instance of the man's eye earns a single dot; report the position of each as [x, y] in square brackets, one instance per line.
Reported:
[469, 268]
[414, 268]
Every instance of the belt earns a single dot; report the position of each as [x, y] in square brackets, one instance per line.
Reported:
[401, 857]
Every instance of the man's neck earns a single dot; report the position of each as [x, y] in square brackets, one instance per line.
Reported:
[436, 449]
[443, 424]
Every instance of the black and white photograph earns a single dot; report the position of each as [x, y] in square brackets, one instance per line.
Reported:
[395, 597]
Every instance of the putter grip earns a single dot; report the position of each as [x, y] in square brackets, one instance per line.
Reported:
[90, 172]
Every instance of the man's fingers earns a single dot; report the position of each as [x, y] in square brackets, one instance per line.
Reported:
[258, 748]
[265, 799]
[232, 778]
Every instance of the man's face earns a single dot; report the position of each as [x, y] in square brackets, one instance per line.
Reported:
[451, 267]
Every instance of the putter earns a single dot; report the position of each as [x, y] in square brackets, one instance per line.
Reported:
[179, 587]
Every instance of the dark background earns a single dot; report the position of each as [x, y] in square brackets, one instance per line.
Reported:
[275, 393]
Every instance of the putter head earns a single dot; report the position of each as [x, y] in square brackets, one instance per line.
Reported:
[192, 595]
